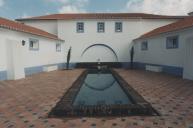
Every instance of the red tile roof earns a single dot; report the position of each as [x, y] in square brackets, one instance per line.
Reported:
[101, 16]
[12, 25]
[181, 24]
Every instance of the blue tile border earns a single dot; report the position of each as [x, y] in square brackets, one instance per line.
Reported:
[125, 64]
[33, 70]
[63, 65]
[38, 69]
[72, 65]
[178, 71]
[3, 75]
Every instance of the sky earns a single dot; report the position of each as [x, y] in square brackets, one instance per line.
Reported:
[14, 9]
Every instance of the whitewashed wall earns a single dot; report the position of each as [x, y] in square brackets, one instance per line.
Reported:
[157, 52]
[2, 53]
[46, 55]
[150, 24]
[120, 42]
[80, 41]
[46, 25]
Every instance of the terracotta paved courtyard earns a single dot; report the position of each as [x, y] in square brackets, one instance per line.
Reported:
[26, 103]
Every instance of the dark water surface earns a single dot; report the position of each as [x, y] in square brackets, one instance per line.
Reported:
[101, 89]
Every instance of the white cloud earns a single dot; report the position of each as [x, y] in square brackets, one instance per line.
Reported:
[25, 15]
[61, 1]
[72, 6]
[167, 7]
[71, 9]
[1, 3]
[82, 3]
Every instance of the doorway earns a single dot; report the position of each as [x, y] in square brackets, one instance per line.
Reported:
[15, 67]
[188, 59]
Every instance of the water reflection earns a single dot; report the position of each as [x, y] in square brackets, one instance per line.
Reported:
[101, 89]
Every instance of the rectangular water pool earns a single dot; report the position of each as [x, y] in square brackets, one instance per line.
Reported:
[101, 93]
[101, 88]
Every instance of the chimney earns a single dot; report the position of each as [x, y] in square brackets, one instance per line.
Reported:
[190, 13]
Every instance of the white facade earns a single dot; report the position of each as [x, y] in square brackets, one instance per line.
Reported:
[46, 25]
[175, 61]
[19, 60]
[119, 42]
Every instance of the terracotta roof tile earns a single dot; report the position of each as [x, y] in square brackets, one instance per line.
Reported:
[12, 25]
[181, 24]
[101, 16]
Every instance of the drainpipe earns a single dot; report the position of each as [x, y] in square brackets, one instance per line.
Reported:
[131, 57]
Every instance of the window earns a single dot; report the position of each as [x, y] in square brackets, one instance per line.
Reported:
[33, 44]
[101, 27]
[58, 47]
[80, 27]
[172, 42]
[144, 45]
[118, 27]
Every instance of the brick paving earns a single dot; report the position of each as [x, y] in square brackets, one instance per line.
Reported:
[26, 103]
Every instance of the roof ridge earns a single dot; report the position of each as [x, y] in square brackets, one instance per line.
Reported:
[97, 15]
[15, 25]
[178, 25]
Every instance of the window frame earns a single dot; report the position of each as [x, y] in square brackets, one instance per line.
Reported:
[32, 40]
[99, 30]
[168, 40]
[60, 49]
[78, 30]
[121, 27]
[146, 46]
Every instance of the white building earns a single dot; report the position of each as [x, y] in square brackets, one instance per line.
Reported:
[168, 49]
[25, 50]
[101, 37]
[89, 44]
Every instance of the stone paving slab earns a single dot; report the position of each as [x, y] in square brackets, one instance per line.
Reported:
[26, 103]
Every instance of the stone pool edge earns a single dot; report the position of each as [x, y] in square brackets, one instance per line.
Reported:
[65, 109]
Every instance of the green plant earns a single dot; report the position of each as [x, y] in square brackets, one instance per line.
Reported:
[68, 58]
[131, 57]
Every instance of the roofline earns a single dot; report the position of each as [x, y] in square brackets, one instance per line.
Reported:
[11, 29]
[180, 17]
[143, 38]
[136, 17]
[30, 33]
[55, 37]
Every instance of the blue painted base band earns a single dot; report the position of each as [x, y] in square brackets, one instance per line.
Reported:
[178, 71]
[125, 64]
[38, 69]
[3, 75]
[33, 70]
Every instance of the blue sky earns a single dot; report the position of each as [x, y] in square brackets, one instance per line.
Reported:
[25, 8]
